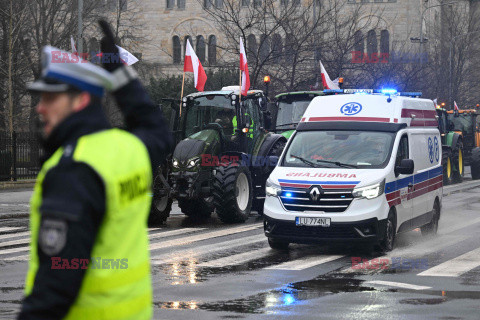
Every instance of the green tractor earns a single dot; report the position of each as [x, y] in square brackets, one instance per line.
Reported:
[223, 158]
[452, 147]
[289, 109]
[465, 124]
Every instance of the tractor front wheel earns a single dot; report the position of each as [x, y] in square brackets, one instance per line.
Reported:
[233, 193]
[475, 163]
[447, 167]
[459, 165]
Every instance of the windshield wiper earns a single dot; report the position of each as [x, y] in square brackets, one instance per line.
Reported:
[310, 163]
[339, 164]
[287, 124]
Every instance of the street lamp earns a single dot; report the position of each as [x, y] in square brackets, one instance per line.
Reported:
[421, 25]
[450, 58]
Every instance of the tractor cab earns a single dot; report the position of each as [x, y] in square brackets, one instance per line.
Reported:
[289, 110]
[465, 124]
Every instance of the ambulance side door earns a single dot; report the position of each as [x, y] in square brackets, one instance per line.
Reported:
[404, 185]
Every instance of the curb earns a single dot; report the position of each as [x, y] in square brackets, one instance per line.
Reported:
[17, 184]
[460, 187]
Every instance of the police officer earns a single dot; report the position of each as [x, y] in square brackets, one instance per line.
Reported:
[89, 245]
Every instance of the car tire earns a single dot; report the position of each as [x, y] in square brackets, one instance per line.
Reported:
[388, 242]
[431, 228]
[278, 244]
[232, 193]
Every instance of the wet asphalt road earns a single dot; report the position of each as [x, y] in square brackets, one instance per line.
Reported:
[209, 270]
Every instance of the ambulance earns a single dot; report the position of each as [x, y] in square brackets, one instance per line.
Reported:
[362, 166]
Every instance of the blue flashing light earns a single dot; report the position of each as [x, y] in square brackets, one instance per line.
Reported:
[342, 196]
[288, 299]
[389, 91]
[288, 194]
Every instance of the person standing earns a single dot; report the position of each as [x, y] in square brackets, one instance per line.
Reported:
[89, 255]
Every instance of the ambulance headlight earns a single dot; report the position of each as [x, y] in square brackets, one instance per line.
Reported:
[271, 189]
[370, 192]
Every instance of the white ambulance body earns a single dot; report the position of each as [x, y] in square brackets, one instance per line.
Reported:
[360, 167]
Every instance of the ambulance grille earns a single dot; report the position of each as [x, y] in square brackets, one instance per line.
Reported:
[331, 200]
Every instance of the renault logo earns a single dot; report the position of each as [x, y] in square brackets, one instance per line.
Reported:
[315, 193]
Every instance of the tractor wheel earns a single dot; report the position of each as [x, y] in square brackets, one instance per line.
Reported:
[475, 163]
[276, 150]
[161, 205]
[198, 208]
[232, 193]
[447, 167]
[458, 164]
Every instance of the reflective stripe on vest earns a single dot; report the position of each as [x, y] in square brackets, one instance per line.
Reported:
[250, 130]
[122, 162]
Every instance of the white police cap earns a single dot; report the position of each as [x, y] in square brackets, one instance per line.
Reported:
[62, 71]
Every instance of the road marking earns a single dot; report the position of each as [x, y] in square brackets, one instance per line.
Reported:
[19, 258]
[398, 284]
[4, 229]
[14, 242]
[304, 263]
[166, 234]
[12, 235]
[204, 236]
[423, 248]
[13, 250]
[455, 267]
[236, 259]
[205, 249]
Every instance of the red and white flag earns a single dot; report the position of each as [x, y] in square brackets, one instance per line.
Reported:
[456, 107]
[72, 43]
[327, 82]
[244, 69]
[192, 64]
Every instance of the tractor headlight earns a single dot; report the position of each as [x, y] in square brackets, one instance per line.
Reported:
[370, 192]
[175, 163]
[193, 163]
[271, 189]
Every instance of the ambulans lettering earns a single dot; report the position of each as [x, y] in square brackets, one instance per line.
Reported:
[321, 175]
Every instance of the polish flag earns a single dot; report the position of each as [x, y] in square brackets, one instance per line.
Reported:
[327, 82]
[244, 69]
[72, 43]
[456, 107]
[192, 64]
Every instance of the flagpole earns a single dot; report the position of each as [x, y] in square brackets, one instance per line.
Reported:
[181, 95]
[240, 95]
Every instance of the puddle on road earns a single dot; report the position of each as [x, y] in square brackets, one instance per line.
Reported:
[289, 295]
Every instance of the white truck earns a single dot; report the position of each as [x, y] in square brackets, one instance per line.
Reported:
[362, 166]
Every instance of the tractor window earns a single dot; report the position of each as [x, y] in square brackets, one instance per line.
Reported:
[209, 109]
[251, 108]
[290, 113]
[462, 123]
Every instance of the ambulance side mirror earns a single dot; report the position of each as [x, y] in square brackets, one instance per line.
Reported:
[406, 167]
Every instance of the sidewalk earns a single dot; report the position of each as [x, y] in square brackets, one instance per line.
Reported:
[21, 184]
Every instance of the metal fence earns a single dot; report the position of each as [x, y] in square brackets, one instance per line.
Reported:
[19, 156]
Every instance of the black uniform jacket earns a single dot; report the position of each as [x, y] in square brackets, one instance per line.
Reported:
[74, 198]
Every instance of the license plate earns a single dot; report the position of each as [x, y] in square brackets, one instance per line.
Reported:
[313, 222]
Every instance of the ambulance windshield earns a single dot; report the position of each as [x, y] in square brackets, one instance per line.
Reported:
[339, 149]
